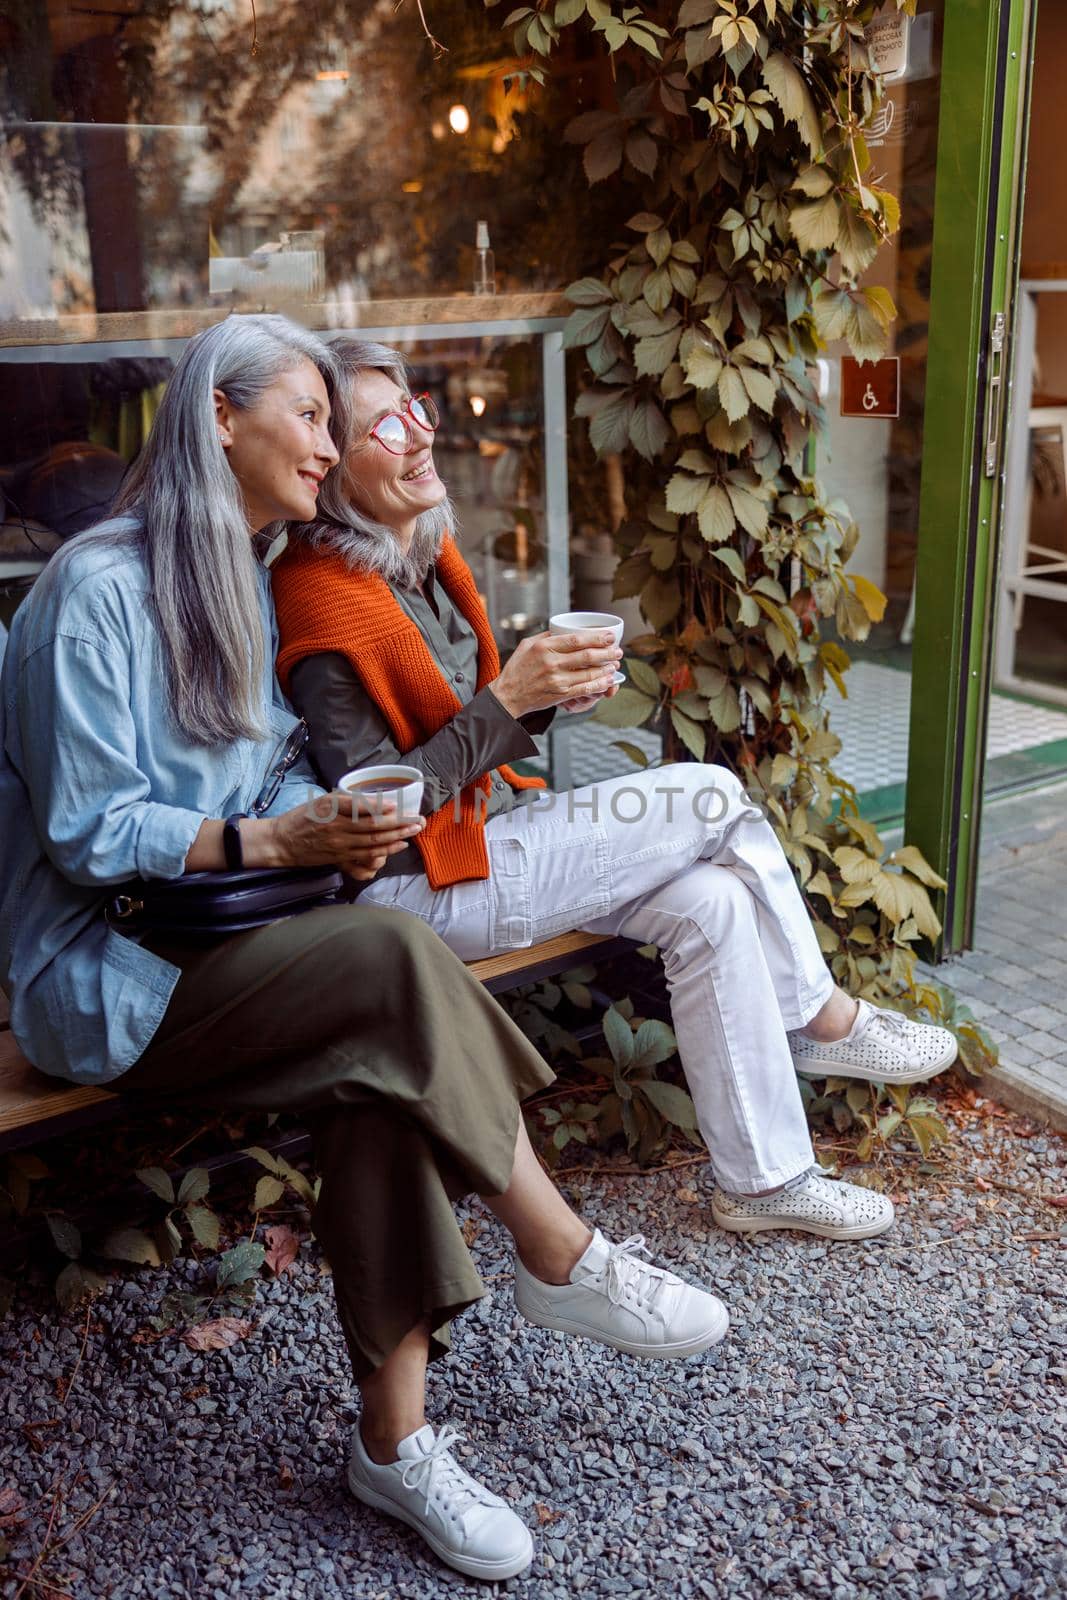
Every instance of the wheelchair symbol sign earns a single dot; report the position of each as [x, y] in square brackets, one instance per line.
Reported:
[870, 388]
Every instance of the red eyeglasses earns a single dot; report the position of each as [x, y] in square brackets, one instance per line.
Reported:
[394, 431]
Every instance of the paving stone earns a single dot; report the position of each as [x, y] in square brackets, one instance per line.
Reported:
[1044, 1017]
[1018, 978]
[1019, 1055]
[1048, 1045]
[1050, 967]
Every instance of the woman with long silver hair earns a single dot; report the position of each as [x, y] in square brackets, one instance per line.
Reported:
[139, 719]
[387, 650]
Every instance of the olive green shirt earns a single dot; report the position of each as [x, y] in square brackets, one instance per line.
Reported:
[349, 731]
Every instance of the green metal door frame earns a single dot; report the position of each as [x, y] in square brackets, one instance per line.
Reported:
[985, 76]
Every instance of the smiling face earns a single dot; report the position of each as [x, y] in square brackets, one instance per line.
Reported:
[393, 490]
[280, 450]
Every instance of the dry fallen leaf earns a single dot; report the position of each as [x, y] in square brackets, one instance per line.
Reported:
[286, 1476]
[1055, 1199]
[33, 1438]
[217, 1335]
[12, 1510]
[545, 1513]
[283, 1247]
[689, 1197]
[471, 1229]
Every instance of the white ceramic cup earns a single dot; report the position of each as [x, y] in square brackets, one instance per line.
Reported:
[582, 621]
[402, 785]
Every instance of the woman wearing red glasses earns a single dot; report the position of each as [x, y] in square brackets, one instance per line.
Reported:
[387, 651]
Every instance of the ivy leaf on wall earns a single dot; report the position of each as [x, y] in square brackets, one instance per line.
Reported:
[660, 600]
[603, 155]
[649, 430]
[627, 709]
[789, 88]
[691, 733]
[717, 521]
[816, 224]
[685, 493]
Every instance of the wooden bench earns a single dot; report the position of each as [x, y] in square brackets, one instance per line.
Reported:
[34, 1106]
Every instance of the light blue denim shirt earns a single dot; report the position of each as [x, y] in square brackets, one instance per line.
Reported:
[97, 785]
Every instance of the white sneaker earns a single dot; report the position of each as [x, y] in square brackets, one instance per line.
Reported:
[462, 1522]
[881, 1046]
[619, 1300]
[812, 1203]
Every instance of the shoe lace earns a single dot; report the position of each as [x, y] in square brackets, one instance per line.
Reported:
[625, 1275]
[803, 1178]
[437, 1470]
[892, 1020]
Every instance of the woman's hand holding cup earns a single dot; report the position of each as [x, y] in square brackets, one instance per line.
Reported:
[573, 664]
[354, 829]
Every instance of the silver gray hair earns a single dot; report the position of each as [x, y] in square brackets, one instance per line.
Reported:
[341, 526]
[190, 522]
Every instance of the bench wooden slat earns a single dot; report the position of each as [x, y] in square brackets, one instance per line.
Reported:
[28, 1096]
[30, 1099]
[522, 961]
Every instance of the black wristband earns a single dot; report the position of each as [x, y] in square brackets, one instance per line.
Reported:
[231, 841]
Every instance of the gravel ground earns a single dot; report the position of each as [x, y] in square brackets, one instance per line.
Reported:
[883, 1418]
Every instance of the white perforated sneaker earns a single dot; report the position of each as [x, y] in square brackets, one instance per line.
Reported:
[810, 1202]
[461, 1520]
[620, 1300]
[881, 1047]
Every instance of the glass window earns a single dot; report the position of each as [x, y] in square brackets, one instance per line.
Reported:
[164, 165]
[200, 156]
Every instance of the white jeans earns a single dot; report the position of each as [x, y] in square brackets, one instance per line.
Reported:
[675, 857]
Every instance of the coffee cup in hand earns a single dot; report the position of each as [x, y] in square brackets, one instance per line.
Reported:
[371, 787]
[589, 621]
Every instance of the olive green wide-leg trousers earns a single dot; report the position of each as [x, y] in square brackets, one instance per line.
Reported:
[407, 1073]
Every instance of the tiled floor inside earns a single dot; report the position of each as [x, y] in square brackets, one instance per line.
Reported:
[872, 724]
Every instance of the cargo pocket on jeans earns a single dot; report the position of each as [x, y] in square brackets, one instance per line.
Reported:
[566, 883]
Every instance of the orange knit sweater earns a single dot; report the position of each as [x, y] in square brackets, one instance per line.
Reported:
[323, 605]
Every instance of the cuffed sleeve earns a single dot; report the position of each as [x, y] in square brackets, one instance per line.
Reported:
[348, 731]
[535, 722]
[90, 798]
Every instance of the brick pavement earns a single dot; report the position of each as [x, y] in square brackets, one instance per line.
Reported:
[1015, 978]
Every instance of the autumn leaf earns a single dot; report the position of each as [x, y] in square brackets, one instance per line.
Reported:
[12, 1510]
[283, 1247]
[217, 1335]
[789, 88]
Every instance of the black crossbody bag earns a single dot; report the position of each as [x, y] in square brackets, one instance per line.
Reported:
[212, 904]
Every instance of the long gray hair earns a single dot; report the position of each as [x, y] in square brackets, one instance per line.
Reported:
[191, 525]
[340, 525]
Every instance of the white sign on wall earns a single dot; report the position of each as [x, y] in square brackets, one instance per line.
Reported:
[888, 37]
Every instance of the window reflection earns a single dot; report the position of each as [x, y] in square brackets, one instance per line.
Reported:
[152, 153]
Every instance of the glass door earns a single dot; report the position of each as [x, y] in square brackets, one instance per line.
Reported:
[915, 443]
[981, 152]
